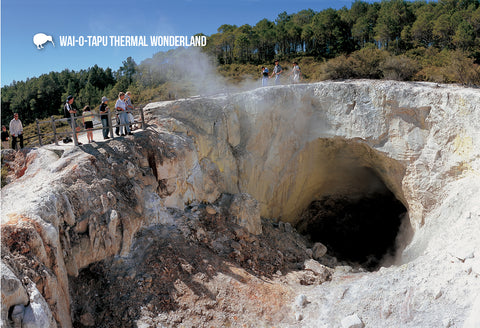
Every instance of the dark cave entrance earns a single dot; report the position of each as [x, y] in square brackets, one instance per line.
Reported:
[361, 229]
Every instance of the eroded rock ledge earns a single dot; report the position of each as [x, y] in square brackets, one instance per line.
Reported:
[285, 146]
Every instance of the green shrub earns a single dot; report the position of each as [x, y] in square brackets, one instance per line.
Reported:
[462, 69]
[338, 68]
[366, 63]
[400, 68]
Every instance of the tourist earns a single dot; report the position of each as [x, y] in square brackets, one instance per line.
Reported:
[5, 137]
[71, 113]
[264, 76]
[296, 72]
[16, 131]
[87, 117]
[277, 71]
[104, 117]
[128, 103]
[121, 108]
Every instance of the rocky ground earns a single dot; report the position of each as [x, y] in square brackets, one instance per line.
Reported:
[205, 271]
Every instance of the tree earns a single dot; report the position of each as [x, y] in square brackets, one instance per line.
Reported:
[464, 37]
[128, 69]
[422, 28]
[330, 34]
[393, 16]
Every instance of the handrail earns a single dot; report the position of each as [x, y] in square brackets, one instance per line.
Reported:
[73, 131]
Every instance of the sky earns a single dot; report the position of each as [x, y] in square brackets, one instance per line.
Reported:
[22, 19]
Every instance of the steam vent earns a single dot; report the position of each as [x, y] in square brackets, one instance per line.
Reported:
[333, 204]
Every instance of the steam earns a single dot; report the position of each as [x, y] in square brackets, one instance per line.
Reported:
[404, 237]
[191, 68]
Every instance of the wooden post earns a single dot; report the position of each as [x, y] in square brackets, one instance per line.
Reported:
[38, 131]
[54, 130]
[143, 118]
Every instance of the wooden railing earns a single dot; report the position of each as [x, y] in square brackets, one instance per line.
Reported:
[73, 126]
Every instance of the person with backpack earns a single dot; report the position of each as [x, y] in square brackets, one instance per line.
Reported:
[70, 112]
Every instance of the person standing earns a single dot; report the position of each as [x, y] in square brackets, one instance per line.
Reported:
[277, 71]
[296, 73]
[104, 117]
[264, 76]
[87, 117]
[121, 108]
[128, 103]
[71, 113]
[16, 130]
[5, 137]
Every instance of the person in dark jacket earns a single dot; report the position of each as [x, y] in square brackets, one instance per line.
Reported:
[104, 117]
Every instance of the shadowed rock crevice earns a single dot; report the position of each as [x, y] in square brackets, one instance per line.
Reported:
[362, 229]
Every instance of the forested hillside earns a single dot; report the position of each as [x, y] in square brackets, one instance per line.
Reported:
[397, 26]
[394, 39]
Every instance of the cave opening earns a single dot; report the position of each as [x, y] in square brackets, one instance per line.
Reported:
[360, 229]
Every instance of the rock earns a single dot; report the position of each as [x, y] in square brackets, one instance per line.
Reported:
[87, 319]
[38, 313]
[352, 321]
[246, 213]
[288, 227]
[17, 315]
[318, 250]
[298, 316]
[301, 301]
[447, 323]
[211, 210]
[236, 246]
[322, 272]
[81, 226]
[13, 291]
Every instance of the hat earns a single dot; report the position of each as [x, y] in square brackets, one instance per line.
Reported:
[104, 99]
[276, 60]
[69, 97]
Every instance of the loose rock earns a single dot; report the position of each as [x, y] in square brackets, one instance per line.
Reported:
[301, 301]
[319, 250]
[352, 321]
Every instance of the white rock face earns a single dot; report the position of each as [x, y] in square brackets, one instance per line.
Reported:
[299, 143]
[285, 146]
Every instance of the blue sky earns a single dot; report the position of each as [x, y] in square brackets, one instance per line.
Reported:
[22, 19]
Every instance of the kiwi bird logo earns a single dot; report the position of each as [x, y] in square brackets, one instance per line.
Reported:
[40, 39]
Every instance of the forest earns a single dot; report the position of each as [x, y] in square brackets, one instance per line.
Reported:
[435, 41]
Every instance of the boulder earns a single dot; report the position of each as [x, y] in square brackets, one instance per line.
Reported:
[245, 212]
[13, 291]
[318, 250]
